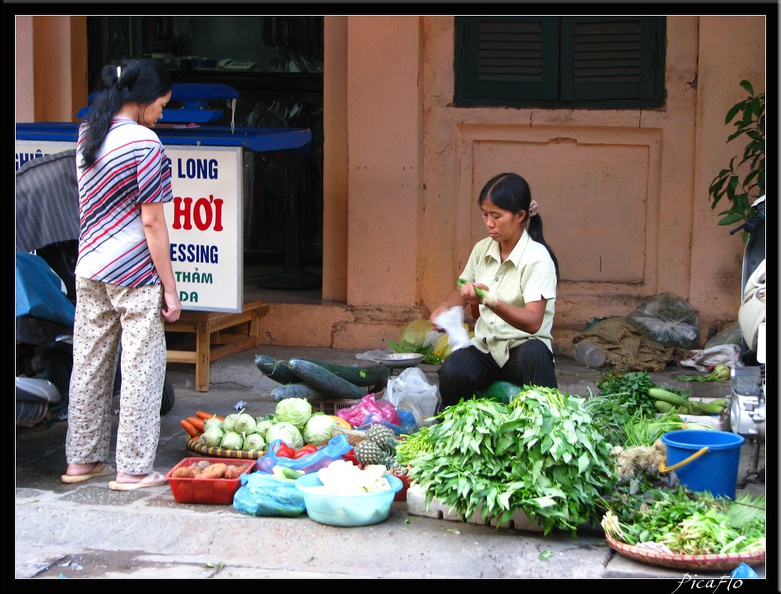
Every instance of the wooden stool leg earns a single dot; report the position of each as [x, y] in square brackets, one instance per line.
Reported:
[202, 346]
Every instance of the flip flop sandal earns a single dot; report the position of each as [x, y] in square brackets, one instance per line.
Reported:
[153, 479]
[100, 469]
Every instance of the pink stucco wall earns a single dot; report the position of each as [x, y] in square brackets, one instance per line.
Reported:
[623, 193]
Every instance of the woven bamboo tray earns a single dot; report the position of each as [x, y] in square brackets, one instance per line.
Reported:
[202, 448]
[711, 562]
[354, 436]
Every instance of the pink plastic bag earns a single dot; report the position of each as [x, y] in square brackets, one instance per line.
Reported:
[369, 406]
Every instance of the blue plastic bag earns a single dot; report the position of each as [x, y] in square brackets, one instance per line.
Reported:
[336, 447]
[743, 571]
[262, 494]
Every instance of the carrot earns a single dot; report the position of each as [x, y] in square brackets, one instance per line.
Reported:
[205, 415]
[197, 423]
[188, 426]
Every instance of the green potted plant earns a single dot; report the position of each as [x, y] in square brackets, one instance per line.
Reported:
[744, 180]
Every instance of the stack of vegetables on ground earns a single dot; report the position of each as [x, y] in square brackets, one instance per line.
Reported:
[293, 422]
[632, 410]
[540, 453]
[648, 508]
[318, 380]
[293, 431]
[646, 511]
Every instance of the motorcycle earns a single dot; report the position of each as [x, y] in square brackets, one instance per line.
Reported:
[47, 230]
[44, 357]
[747, 400]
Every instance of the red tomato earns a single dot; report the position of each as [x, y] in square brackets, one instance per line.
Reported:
[350, 457]
[304, 451]
[285, 451]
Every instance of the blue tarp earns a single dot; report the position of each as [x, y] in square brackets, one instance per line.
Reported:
[40, 293]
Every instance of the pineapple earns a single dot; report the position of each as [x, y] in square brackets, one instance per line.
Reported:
[369, 452]
[383, 436]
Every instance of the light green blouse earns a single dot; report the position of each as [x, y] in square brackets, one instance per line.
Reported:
[528, 274]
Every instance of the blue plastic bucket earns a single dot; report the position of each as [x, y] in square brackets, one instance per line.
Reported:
[704, 460]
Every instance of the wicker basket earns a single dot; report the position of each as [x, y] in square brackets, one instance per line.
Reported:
[712, 562]
[202, 448]
[354, 437]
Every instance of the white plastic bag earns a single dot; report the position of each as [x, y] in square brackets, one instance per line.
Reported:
[452, 322]
[707, 359]
[411, 391]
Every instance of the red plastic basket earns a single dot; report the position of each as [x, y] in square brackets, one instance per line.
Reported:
[198, 490]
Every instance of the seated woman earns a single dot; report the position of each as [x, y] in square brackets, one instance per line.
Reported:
[517, 274]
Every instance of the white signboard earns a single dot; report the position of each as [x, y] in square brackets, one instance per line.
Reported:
[204, 221]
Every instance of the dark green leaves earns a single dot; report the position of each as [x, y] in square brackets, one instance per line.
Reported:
[540, 454]
[744, 180]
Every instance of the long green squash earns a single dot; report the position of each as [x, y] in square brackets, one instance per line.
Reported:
[300, 390]
[276, 370]
[364, 376]
[320, 378]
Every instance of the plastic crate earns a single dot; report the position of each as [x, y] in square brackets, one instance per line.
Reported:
[214, 491]
[330, 407]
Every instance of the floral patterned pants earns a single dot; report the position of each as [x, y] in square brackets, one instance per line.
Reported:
[106, 313]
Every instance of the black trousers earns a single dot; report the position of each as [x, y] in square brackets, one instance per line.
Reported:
[467, 370]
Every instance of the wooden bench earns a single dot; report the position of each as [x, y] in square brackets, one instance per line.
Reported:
[217, 335]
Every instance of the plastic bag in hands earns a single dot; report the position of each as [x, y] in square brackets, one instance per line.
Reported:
[382, 409]
[262, 494]
[452, 322]
[411, 391]
[667, 319]
[336, 447]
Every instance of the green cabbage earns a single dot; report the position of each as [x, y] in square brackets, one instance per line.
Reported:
[295, 411]
[287, 432]
[232, 441]
[212, 436]
[254, 442]
[262, 426]
[318, 428]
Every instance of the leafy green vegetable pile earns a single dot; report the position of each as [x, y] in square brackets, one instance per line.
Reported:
[625, 414]
[686, 522]
[540, 453]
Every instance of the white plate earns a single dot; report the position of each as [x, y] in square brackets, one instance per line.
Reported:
[400, 359]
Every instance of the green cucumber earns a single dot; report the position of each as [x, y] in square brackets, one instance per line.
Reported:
[276, 370]
[300, 390]
[667, 396]
[662, 406]
[714, 407]
[326, 381]
[364, 376]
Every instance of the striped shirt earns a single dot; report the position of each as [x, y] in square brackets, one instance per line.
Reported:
[131, 169]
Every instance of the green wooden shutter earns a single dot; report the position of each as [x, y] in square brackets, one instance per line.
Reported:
[507, 57]
[568, 62]
[610, 58]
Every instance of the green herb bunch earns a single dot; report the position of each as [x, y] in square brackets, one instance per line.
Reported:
[404, 346]
[540, 454]
[689, 523]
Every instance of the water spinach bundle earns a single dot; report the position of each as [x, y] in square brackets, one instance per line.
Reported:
[540, 453]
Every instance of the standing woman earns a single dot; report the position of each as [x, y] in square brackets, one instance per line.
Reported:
[512, 340]
[125, 285]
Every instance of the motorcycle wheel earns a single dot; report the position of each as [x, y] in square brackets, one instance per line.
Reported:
[57, 367]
